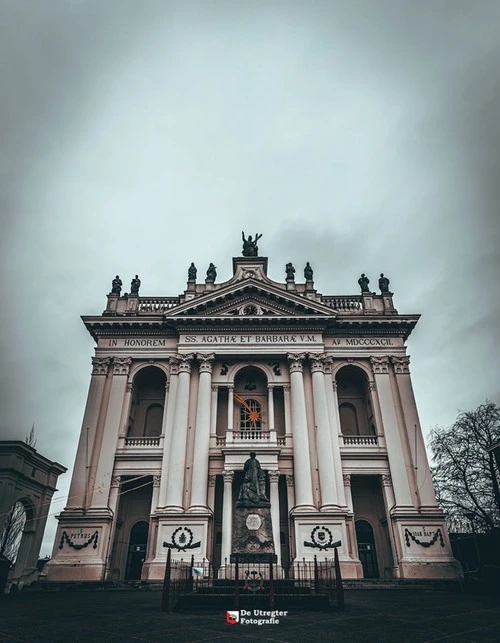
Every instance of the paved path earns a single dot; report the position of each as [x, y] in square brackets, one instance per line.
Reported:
[370, 616]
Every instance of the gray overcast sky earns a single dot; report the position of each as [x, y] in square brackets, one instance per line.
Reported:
[362, 136]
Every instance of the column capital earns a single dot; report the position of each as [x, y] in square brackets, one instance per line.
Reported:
[380, 364]
[328, 364]
[286, 388]
[386, 480]
[228, 476]
[100, 365]
[174, 365]
[215, 388]
[400, 364]
[290, 481]
[317, 362]
[274, 476]
[185, 362]
[116, 481]
[295, 362]
[121, 365]
[347, 479]
[156, 479]
[212, 480]
[130, 387]
[371, 385]
[206, 361]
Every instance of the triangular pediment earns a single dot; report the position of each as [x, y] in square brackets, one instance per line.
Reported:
[251, 299]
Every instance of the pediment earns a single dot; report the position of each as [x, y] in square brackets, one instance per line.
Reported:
[252, 299]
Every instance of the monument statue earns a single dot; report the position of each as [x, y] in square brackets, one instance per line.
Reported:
[192, 272]
[253, 490]
[211, 273]
[250, 248]
[290, 272]
[383, 283]
[135, 285]
[116, 286]
[363, 282]
[308, 272]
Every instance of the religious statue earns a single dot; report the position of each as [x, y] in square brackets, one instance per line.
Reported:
[383, 283]
[192, 272]
[211, 273]
[250, 248]
[308, 272]
[135, 285]
[290, 272]
[116, 286]
[363, 282]
[253, 488]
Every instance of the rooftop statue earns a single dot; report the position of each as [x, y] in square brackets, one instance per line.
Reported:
[250, 248]
[253, 487]
[363, 282]
[290, 272]
[116, 286]
[383, 283]
[192, 272]
[211, 273]
[135, 285]
[308, 272]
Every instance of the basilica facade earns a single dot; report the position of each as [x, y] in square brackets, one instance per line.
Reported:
[184, 388]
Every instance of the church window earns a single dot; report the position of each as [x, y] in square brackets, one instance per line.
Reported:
[250, 415]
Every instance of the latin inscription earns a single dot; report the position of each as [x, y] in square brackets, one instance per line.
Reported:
[363, 341]
[251, 339]
[137, 343]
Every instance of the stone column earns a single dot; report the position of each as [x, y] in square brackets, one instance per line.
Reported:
[202, 434]
[177, 460]
[423, 478]
[274, 477]
[401, 470]
[211, 492]
[346, 477]
[290, 497]
[326, 465]
[213, 406]
[114, 497]
[230, 408]
[167, 426]
[335, 429]
[270, 408]
[114, 415]
[79, 481]
[227, 517]
[389, 504]
[301, 455]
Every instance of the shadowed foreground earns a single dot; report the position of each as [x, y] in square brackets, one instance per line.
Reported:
[377, 615]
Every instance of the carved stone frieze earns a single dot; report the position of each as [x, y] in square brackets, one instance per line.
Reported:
[296, 362]
[380, 364]
[401, 365]
[121, 365]
[100, 365]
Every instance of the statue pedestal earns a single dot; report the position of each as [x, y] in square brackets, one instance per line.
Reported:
[252, 535]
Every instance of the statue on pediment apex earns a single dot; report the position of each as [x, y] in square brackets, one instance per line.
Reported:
[116, 286]
[290, 272]
[383, 283]
[250, 248]
[135, 285]
[192, 272]
[308, 272]
[211, 273]
[363, 282]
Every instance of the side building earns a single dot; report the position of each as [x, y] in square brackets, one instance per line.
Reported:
[184, 388]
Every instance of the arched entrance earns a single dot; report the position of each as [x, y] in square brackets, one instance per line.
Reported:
[137, 550]
[366, 549]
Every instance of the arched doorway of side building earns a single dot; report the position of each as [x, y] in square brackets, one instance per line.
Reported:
[137, 550]
[367, 552]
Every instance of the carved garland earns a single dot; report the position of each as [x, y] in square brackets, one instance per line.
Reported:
[429, 543]
[65, 538]
[180, 543]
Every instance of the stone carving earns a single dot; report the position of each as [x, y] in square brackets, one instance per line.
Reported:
[274, 476]
[224, 368]
[371, 385]
[250, 248]
[386, 480]
[322, 539]
[290, 272]
[156, 479]
[174, 365]
[317, 362]
[363, 282]
[121, 365]
[100, 365]
[211, 274]
[184, 361]
[295, 361]
[116, 481]
[253, 491]
[192, 272]
[347, 479]
[383, 284]
[182, 540]
[276, 367]
[401, 364]
[380, 364]
[308, 272]
[228, 476]
[116, 286]
[135, 285]
[212, 480]
[205, 362]
[290, 481]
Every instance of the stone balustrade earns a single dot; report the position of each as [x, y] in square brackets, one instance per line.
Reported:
[345, 304]
[142, 442]
[360, 440]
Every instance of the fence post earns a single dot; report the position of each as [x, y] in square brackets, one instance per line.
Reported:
[165, 596]
[338, 581]
[272, 595]
[236, 594]
[191, 580]
[316, 579]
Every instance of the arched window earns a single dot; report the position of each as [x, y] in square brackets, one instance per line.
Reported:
[348, 419]
[250, 415]
[152, 424]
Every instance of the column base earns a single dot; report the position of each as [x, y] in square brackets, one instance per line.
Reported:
[199, 509]
[303, 508]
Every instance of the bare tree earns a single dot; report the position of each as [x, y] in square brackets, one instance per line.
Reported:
[12, 532]
[465, 474]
